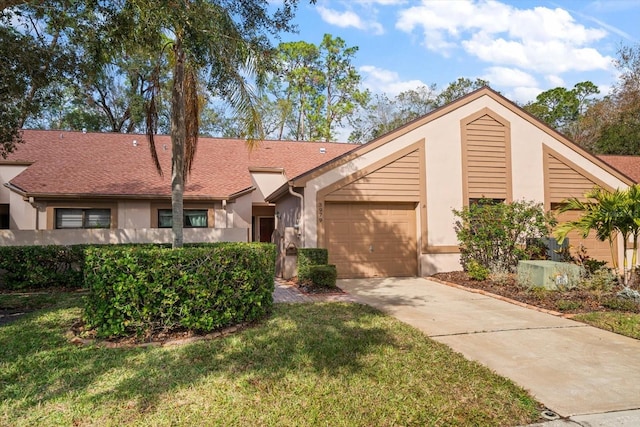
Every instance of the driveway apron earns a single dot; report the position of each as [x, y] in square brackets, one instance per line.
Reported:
[570, 367]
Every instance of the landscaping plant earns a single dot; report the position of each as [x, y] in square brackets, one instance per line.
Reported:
[608, 213]
[314, 268]
[142, 290]
[495, 235]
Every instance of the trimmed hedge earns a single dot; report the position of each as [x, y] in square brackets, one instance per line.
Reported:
[308, 257]
[313, 268]
[141, 290]
[324, 276]
[54, 266]
[35, 267]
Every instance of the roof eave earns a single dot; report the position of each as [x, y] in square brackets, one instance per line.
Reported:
[279, 192]
[241, 193]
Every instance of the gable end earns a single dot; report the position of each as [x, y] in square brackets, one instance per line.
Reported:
[486, 156]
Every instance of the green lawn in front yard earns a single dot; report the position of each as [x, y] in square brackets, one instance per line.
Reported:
[308, 364]
[621, 323]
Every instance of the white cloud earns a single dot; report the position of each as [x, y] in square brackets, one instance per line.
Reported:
[381, 2]
[502, 76]
[379, 80]
[555, 81]
[539, 39]
[347, 19]
[523, 94]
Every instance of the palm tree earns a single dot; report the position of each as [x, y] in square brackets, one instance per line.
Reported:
[632, 216]
[608, 213]
[217, 44]
[596, 215]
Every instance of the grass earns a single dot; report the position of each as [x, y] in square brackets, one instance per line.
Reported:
[322, 364]
[627, 324]
[29, 301]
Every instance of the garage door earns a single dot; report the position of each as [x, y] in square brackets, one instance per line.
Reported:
[371, 239]
[596, 249]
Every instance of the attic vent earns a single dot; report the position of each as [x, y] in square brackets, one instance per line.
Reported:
[135, 143]
[323, 150]
[84, 130]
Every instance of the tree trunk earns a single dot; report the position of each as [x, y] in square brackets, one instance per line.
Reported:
[178, 137]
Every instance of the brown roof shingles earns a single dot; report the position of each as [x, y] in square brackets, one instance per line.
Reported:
[628, 165]
[109, 164]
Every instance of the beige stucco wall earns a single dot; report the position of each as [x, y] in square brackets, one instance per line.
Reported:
[265, 184]
[239, 212]
[7, 173]
[23, 215]
[444, 191]
[134, 214]
[287, 234]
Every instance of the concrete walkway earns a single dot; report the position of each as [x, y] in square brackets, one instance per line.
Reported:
[575, 370]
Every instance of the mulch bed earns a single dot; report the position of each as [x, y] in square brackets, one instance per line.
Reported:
[310, 289]
[572, 301]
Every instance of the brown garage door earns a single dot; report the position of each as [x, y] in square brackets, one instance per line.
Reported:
[371, 239]
[595, 248]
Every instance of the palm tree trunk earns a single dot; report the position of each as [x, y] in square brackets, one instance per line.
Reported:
[614, 258]
[178, 137]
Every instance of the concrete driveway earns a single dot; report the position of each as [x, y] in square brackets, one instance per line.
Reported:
[572, 368]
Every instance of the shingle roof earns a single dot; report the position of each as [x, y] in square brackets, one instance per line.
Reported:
[110, 164]
[628, 165]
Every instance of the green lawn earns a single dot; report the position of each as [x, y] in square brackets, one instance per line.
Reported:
[328, 364]
[621, 323]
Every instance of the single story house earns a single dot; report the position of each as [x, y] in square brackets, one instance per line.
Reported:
[382, 209]
[72, 187]
[385, 209]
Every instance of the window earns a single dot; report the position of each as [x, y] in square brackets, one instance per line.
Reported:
[193, 218]
[83, 218]
[4, 216]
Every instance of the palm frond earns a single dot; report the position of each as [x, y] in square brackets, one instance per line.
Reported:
[151, 117]
[192, 117]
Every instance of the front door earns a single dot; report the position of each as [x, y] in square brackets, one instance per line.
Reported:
[266, 226]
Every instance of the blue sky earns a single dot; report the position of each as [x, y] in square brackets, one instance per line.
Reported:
[521, 47]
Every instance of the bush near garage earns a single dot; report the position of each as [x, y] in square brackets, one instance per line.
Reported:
[313, 268]
[145, 290]
[308, 257]
[495, 234]
[323, 276]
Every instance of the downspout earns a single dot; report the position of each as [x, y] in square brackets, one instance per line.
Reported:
[301, 221]
[36, 207]
[226, 214]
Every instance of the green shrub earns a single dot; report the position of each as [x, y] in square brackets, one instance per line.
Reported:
[600, 280]
[476, 271]
[308, 257]
[568, 305]
[53, 266]
[35, 267]
[496, 234]
[620, 304]
[323, 276]
[141, 289]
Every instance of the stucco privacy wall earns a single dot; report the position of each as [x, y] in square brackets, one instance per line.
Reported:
[442, 137]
